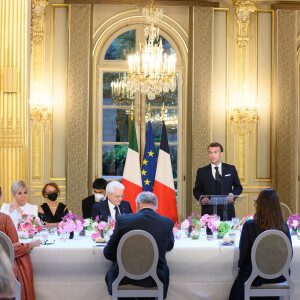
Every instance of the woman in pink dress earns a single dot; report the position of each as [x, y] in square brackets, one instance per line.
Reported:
[22, 265]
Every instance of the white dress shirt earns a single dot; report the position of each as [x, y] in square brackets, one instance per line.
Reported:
[214, 170]
[112, 210]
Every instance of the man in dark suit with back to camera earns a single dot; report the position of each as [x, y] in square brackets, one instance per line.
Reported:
[113, 206]
[99, 186]
[217, 178]
[160, 227]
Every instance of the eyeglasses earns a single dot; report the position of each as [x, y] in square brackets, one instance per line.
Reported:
[118, 197]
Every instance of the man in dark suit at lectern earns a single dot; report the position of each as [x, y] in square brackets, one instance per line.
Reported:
[217, 178]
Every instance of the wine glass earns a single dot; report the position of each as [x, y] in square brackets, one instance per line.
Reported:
[235, 222]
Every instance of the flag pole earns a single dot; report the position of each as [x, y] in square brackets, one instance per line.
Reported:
[131, 111]
[149, 112]
[163, 112]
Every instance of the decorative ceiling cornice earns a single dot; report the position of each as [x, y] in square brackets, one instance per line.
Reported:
[286, 4]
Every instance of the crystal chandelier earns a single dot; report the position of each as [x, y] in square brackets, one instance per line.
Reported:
[121, 94]
[171, 120]
[40, 107]
[244, 112]
[152, 72]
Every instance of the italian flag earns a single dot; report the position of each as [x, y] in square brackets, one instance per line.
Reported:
[132, 179]
[163, 184]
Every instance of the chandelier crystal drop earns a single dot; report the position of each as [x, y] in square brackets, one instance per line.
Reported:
[151, 71]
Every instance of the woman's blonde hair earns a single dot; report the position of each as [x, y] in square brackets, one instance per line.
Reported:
[17, 186]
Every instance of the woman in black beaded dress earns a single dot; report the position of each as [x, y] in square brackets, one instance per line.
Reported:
[52, 211]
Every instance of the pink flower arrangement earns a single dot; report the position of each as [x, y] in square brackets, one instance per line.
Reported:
[103, 228]
[293, 221]
[70, 222]
[213, 223]
[205, 220]
[245, 219]
[185, 224]
[191, 223]
[29, 225]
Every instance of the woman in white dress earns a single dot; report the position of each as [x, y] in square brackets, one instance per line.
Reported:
[19, 206]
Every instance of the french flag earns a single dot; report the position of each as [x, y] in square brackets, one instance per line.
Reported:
[163, 184]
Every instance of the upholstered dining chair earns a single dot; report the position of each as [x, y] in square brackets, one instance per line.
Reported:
[7, 245]
[271, 255]
[137, 258]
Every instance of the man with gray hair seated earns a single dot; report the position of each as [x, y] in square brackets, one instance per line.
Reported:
[160, 227]
[7, 283]
[112, 206]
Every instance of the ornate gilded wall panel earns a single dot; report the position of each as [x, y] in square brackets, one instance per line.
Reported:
[14, 47]
[202, 96]
[77, 111]
[38, 88]
[287, 107]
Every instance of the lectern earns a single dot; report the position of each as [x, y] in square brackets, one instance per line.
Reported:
[218, 205]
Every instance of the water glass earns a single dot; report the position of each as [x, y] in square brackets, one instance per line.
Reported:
[66, 236]
[178, 234]
[44, 234]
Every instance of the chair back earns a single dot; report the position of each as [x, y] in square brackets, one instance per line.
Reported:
[9, 249]
[6, 244]
[286, 212]
[271, 255]
[137, 255]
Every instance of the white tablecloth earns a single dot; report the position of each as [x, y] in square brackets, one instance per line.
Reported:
[199, 269]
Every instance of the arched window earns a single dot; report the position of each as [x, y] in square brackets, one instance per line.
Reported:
[114, 111]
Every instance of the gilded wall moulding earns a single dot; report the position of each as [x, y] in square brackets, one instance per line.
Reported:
[36, 156]
[243, 8]
[11, 135]
[38, 20]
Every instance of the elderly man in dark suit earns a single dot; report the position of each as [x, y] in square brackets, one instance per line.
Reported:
[217, 178]
[99, 186]
[114, 206]
[160, 227]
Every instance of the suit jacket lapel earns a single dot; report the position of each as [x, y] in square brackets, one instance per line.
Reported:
[223, 172]
[122, 208]
[107, 208]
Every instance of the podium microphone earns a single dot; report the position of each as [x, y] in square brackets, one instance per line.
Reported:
[220, 181]
[225, 201]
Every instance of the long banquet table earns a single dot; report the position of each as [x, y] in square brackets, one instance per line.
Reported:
[199, 269]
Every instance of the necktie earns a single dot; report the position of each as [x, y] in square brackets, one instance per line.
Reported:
[217, 174]
[117, 211]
